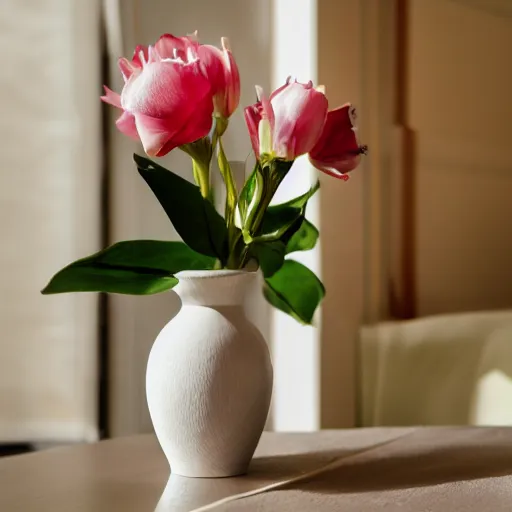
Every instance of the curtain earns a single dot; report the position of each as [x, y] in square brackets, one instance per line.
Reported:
[49, 215]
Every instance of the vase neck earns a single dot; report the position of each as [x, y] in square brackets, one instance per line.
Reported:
[212, 288]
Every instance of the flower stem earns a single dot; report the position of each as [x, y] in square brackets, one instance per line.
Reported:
[202, 178]
[272, 178]
[231, 200]
[227, 175]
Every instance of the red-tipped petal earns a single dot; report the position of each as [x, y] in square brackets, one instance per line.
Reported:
[111, 97]
[140, 55]
[232, 84]
[337, 150]
[213, 66]
[170, 47]
[222, 72]
[127, 68]
[300, 112]
[252, 116]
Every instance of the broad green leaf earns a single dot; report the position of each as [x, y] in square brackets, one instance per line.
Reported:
[277, 221]
[301, 201]
[194, 218]
[285, 219]
[269, 255]
[303, 239]
[136, 267]
[296, 290]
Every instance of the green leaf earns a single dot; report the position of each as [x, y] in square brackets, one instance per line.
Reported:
[270, 256]
[250, 195]
[136, 267]
[296, 290]
[194, 218]
[301, 201]
[277, 221]
[303, 239]
[285, 219]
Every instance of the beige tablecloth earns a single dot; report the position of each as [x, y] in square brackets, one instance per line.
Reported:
[365, 470]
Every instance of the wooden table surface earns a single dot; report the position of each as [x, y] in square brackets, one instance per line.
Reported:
[403, 469]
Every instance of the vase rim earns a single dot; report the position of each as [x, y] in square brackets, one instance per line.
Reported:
[212, 274]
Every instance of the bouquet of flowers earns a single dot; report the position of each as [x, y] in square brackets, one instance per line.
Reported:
[181, 94]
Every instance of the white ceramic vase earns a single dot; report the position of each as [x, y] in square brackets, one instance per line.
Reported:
[209, 377]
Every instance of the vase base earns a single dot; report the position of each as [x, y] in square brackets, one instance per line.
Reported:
[209, 474]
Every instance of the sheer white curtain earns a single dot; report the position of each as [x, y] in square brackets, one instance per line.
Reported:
[49, 216]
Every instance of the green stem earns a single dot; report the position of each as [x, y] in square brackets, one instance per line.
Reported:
[231, 199]
[227, 175]
[271, 181]
[202, 178]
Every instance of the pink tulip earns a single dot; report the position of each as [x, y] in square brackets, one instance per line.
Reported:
[295, 121]
[289, 123]
[337, 151]
[222, 72]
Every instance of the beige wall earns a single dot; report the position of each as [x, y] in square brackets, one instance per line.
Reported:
[461, 109]
[340, 68]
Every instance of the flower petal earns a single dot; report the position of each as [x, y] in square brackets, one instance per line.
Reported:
[159, 136]
[166, 88]
[127, 68]
[140, 55]
[154, 132]
[300, 112]
[111, 97]
[171, 47]
[266, 107]
[232, 82]
[252, 116]
[337, 150]
[222, 72]
[126, 125]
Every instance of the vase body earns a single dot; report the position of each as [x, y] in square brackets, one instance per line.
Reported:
[209, 378]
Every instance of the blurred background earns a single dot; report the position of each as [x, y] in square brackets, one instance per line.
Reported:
[415, 248]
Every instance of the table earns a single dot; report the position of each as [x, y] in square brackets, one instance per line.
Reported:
[363, 470]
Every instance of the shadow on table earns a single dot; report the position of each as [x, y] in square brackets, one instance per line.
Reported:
[426, 461]
[421, 469]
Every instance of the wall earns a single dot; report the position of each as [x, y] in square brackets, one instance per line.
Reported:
[461, 109]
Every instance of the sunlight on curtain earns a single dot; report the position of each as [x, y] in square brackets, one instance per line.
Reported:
[49, 215]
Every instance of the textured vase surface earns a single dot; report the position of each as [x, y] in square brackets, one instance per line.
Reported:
[209, 377]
